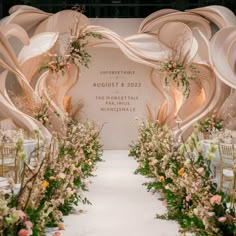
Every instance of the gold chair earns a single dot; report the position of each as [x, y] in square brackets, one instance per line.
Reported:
[8, 160]
[200, 136]
[227, 169]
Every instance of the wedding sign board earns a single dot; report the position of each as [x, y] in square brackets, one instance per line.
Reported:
[115, 92]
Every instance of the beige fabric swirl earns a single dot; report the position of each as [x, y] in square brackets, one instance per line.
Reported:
[39, 32]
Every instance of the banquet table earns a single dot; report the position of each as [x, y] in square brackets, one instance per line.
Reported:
[29, 146]
[206, 143]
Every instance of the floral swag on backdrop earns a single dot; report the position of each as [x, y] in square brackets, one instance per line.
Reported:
[74, 51]
[177, 69]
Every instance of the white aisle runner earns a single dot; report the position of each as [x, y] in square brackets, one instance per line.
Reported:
[121, 206]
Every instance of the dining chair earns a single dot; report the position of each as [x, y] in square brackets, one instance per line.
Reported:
[200, 136]
[228, 169]
[8, 160]
[4, 184]
[26, 173]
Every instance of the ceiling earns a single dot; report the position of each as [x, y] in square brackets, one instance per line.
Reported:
[114, 8]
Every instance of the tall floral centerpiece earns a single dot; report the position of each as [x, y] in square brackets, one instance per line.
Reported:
[212, 124]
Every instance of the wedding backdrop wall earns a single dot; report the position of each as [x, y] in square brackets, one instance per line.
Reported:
[114, 93]
[169, 65]
[114, 89]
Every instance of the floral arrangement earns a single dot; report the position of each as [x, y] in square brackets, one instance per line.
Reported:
[149, 150]
[11, 136]
[41, 112]
[13, 221]
[83, 137]
[226, 136]
[74, 53]
[180, 74]
[211, 124]
[182, 175]
[176, 69]
[37, 107]
[52, 188]
[75, 49]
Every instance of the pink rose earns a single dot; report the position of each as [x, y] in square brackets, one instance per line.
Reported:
[57, 234]
[188, 197]
[216, 199]
[201, 170]
[164, 202]
[28, 224]
[23, 232]
[68, 65]
[211, 213]
[222, 219]
[61, 226]
[21, 214]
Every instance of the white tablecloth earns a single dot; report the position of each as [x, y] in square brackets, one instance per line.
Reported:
[206, 143]
[29, 147]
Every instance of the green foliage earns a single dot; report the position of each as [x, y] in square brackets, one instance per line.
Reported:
[56, 185]
[180, 74]
[182, 176]
[211, 124]
[76, 53]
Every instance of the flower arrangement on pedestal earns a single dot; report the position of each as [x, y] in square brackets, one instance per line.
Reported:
[211, 124]
[182, 174]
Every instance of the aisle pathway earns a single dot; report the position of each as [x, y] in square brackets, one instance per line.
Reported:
[120, 204]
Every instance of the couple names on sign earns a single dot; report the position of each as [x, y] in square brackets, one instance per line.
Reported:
[118, 103]
[117, 82]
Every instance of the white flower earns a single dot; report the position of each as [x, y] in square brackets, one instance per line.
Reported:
[195, 211]
[211, 213]
[210, 156]
[61, 176]
[222, 219]
[201, 170]
[187, 162]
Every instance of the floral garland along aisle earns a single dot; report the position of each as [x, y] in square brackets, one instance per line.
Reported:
[52, 189]
[182, 175]
[55, 185]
